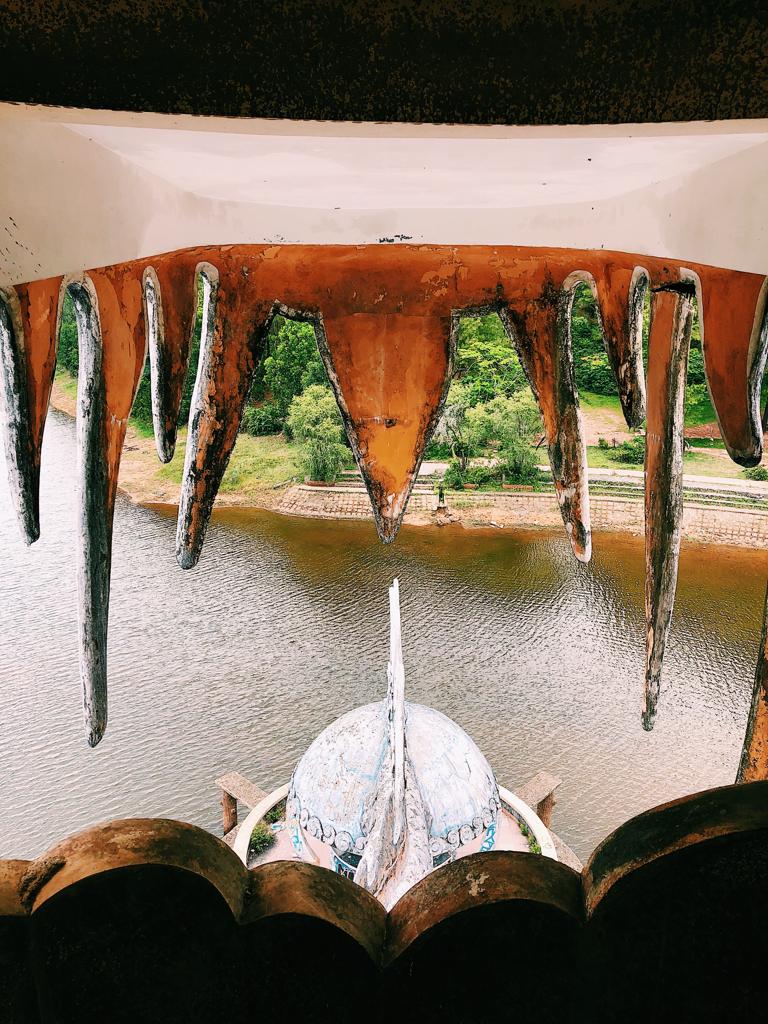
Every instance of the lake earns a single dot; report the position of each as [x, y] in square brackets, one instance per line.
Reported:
[283, 626]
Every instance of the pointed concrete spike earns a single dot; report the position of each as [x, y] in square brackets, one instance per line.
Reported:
[170, 296]
[15, 422]
[233, 332]
[390, 374]
[541, 335]
[754, 755]
[671, 319]
[733, 308]
[620, 293]
[108, 308]
[29, 322]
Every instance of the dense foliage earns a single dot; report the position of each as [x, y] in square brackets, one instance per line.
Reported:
[486, 362]
[262, 837]
[315, 422]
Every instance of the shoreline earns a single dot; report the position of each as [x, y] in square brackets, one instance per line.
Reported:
[147, 482]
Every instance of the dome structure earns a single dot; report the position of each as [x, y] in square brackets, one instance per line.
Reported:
[336, 779]
[393, 789]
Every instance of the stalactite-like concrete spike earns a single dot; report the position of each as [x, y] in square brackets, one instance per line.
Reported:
[541, 335]
[16, 427]
[390, 374]
[170, 295]
[670, 335]
[734, 340]
[29, 330]
[620, 293]
[108, 308]
[234, 326]
[753, 765]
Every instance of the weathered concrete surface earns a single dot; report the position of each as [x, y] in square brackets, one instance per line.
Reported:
[112, 349]
[734, 342]
[668, 345]
[385, 317]
[171, 306]
[620, 293]
[390, 375]
[126, 913]
[29, 331]
[531, 63]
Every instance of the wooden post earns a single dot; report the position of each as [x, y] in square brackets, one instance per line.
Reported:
[236, 787]
[545, 807]
[754, 755]
[229, 812]
[539, 793]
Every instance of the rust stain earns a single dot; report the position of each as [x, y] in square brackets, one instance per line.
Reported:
[620, 321]
[733, 339]
[121, 314]
[389, 372]
[39, 302]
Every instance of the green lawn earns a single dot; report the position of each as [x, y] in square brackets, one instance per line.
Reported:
[695, 416]
[256, 463]
[696, 463]
[590, 400]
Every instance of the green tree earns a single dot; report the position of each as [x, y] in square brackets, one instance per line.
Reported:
[293, 362]
[314, 420]
[486, 362]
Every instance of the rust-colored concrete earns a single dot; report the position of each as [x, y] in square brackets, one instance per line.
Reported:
[380, 288]
[131, 842]
[733, 343]
[389, 373]
[671, 827]
[121, 313]
[177, 300]
[138, 914]
[228, 355]
[292, 887]
[480, 879]
[39, 303]
[618, 303]
[384, 315]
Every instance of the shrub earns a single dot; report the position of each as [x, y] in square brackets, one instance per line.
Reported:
[756, 473]
[481, 475]
[276, 813]
[519, 462]
[323, 458]
[293, 363]
[315, 421]
[437, 450]
[261, 839]
[602, 443]
[453, 479]
[630, 452]
[259, 420]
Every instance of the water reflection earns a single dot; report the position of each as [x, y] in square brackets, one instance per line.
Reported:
[283, 626]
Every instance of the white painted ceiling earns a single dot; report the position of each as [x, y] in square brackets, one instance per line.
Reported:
[366, 173]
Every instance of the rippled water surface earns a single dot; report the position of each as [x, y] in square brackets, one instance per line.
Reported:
[283, 626]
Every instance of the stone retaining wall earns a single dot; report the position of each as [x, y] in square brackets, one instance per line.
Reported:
[704, 523]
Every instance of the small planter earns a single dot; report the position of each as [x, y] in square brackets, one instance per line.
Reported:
[470, 487]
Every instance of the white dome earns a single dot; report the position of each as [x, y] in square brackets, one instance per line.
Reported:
[337, 775]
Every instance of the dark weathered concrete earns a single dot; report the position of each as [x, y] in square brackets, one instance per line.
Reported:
[443, 61]
[668, 345]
